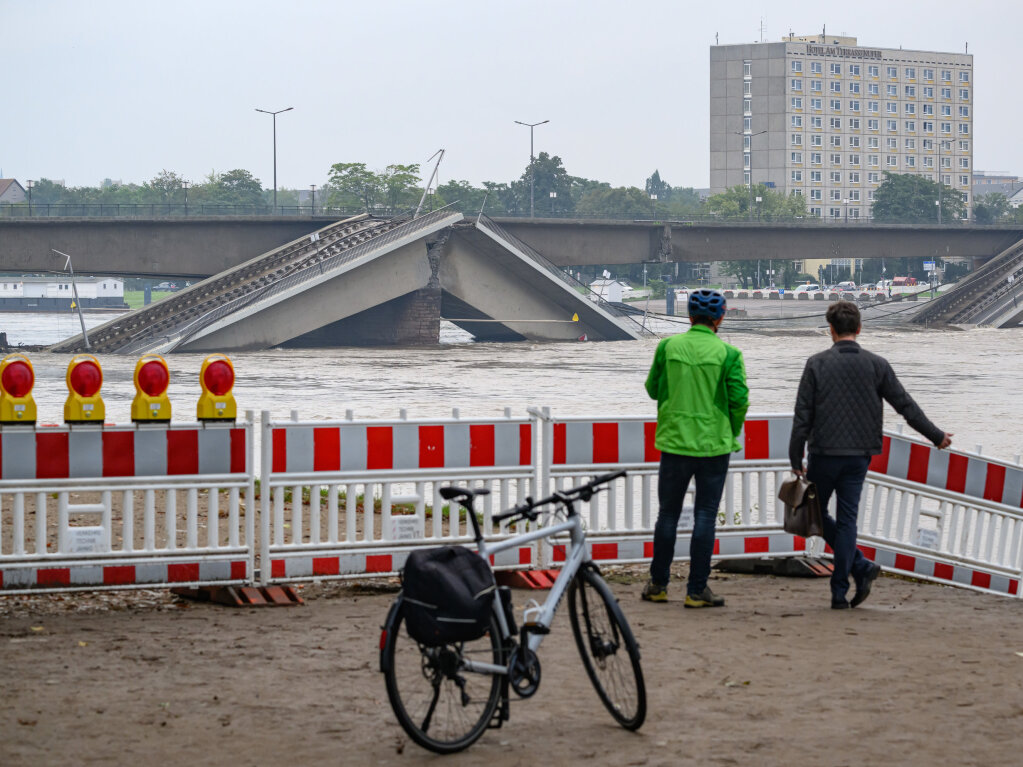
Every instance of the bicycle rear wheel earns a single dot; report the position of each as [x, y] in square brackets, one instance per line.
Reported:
[441, 705]
[609, 650]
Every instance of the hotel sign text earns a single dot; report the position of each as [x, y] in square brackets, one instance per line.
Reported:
[834, 50]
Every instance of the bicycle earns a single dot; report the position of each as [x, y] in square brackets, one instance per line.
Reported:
[445, 697]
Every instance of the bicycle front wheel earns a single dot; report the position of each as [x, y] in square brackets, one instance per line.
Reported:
[441, 704]
[609, 650]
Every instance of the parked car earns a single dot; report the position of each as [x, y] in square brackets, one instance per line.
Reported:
[165, 286]
[807, 288]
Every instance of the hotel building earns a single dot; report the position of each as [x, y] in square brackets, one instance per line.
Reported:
[824, 118]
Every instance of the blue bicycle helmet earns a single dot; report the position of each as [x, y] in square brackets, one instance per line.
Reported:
[706, 303]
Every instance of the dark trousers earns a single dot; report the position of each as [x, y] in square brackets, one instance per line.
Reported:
[676, 471]
[842, 475]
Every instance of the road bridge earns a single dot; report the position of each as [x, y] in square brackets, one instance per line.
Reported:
[199, 247]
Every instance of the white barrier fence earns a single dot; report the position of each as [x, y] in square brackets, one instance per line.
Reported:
[121, 507]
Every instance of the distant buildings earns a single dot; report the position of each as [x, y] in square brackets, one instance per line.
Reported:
[824, 118]
[25, 294]
[11, 191]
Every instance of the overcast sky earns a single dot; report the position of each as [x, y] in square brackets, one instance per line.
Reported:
[123, 89]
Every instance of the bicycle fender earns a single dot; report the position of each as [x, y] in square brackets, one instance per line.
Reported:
[385, 631]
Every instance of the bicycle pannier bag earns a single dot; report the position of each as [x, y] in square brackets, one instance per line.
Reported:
[448, 593]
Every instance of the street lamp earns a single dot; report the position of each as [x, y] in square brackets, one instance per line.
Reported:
[759, 200]
[274, 114]
[531, 171]
[937, 204]
[30, 183]
[846, 204]
[184, 185]
[312, 200]
[554, 196]
[74, 292]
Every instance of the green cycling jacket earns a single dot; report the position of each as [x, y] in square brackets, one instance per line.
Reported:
[699, 383]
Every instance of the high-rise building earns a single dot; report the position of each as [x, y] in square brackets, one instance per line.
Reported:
[824, 118]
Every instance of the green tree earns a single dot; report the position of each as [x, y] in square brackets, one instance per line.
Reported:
[351, 184]
[988, 208]
[465, 197]
[910, 199]
[735, 203]
[549, 175]
[621, 202]
[165, 187]
[400, 186]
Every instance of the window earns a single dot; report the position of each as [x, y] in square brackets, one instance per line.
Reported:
[746, 65]
[854, 105]
[946, 110]
[836, 158]
[928, 74]
[891, 143]
[910, 73]
[946, 93]
[892, 125]
[796, 83]
[835, 195]
[873, 125]
[870, 195]
[872, 107]
[854, 194]
[946, 127]
[910, 91]
[816, 195]
[928, 92]
[836, 142]
[964, 129]
[816, 67]
[747, 106]
[747, 88]
[964, 181]
[797, 177]
[854, 70]
[928, 126]
[891, 91]
[910, 161]
[928, 162]
[816, 122]
[946, 180]
[835, 68]
[874, 178]
[816, 85]
[854, 88]
[873, 142]
[928, 110]
[872, 70]
[964, 146]
[797, 102]
[797, 66]
[815, 212]
[893, 73]
[815, 176]
[854, 142]
[816, 140]
[797, 192]
[815, 104]
[747, 178]
[910, 109]
[966, 195]
[815, 158]
[910, 145]
[835, 123]
[891, 160]
[946, 75]
[891, 107]
[796, 157]
[964, 163]
[946, 162]
[873, 89]
[854, 160]
[835, 105]
[797, 121]
[911, 126]
[797, 139]
[746, 161]
[964, 111]
[835, 87]
[835, 212]
[964, 94]
[964, 77]
[747, 124]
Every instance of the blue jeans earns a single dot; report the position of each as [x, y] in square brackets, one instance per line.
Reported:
[842, 475]
[673, 479]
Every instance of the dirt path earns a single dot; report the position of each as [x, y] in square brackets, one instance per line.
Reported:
[919, 675]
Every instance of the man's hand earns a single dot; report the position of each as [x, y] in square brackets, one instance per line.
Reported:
[946, 441]
[801, 473]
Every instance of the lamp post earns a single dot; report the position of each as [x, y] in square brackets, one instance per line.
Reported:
[30, 183]
[531, 171]
[554, 196]
[312, 199]
[274, 114]
[845, 204]
[750, 185]
[937, 204]
[184, 185]
[74, 292]
[759, 200]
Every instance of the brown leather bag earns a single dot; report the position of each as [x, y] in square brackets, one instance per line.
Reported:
[802, 507]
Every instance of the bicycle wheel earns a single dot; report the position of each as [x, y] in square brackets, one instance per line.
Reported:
[441, 705]
[610, 653]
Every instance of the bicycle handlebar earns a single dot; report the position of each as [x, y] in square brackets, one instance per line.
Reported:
[581, 492]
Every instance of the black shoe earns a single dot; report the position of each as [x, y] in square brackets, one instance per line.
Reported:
[839, 604]
[863, 586]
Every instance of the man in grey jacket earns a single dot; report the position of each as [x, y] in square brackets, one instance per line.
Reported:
[839, 413]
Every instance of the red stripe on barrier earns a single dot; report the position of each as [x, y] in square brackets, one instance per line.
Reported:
[1013, 587]
[994, 486]
[179, 573]
[183, 452]
[525, 444]
[378, 563]
[879, 463]
[431, 447]
[53, 576]
[868, 551]
[379, 447]
[118, 454]
[981, 580]
[238, 452]
[604, 551]
[239, 571]
[525, 556]
[280, 451]
[278, 568]
[798, 542]
[559, 553]
[605, 443]
[326, 449]
[326, 565]
[944, 571]
[957, 465]
[1, 579]
[919, 457]
[481, 444]
[52, 455]
[717, 547]
[560, 441]
[905, 562]
[829, 550]
[759, 545]
[648, 549]
[119, 575]
[650, 453]
[758, 443]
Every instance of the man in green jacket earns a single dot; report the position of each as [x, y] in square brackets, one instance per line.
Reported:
[699, 383]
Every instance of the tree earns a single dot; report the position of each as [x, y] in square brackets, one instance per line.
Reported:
[400, 186]
[351, 184]
[465, 197]
[165, 187]
[735, 203]
[988, 208]
[548, 175]
[622, 202]
[910, 199]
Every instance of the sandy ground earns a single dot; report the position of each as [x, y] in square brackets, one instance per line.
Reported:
[919, 675]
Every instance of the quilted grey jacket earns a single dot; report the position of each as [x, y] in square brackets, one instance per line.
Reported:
[839, 409]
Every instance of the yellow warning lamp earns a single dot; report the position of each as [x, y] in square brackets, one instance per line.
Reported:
[84, 380]
[152, 377]
[16, 381]
[216, 377]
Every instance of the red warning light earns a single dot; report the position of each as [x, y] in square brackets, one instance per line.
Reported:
[219, 378]
[153, 378]
[18, 378]
[86, 378]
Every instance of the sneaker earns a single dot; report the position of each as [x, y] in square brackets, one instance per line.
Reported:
[654, 593]
[705, 598]
[839, 604]
[863, 586]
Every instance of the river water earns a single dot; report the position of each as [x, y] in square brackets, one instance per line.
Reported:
[969, 382]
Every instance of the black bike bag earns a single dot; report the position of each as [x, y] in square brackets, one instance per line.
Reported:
[448, 593]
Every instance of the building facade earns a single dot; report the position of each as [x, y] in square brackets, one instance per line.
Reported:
[824, 118]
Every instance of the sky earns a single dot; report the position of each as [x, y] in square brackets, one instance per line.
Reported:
[124, 89]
